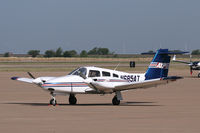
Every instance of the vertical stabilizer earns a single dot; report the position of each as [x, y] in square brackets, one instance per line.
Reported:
[159, 66]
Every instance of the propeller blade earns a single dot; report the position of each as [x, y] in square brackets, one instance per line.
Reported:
[31, 75]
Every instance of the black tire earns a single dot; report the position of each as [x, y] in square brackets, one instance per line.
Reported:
[115, 101]
[53, 102]
[199, 75]
[72, 100]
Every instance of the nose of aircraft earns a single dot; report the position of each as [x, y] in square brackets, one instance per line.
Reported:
[37, 81]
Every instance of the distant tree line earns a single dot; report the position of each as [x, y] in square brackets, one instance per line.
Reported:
[194, 52]
[96, 51]
[70, 53]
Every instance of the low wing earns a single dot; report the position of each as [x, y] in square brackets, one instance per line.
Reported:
[109, 88]
[38, 80]
[146, 83]
[27, 80]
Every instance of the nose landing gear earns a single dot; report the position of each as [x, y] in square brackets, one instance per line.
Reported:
[53, 102]
[53, 99]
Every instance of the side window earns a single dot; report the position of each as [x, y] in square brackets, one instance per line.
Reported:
[106, 74]
[94, 73]
[115, 75]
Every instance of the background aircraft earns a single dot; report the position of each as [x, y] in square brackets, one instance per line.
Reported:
[194, 65]
[95, 80]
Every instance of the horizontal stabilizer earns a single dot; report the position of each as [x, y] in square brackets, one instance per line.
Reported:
[165, 52]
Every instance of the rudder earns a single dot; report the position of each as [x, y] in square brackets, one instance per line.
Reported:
[159, 66]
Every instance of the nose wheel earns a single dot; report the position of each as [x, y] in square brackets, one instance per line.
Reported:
[72, 99]
[53, 99]
[53, 102]
[115, 101]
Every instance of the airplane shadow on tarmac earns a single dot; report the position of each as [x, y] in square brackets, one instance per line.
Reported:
[191, 77]
[92, 104]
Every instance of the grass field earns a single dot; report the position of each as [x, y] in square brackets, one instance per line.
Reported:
[24, 64]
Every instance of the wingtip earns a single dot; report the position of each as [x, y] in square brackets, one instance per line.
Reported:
[14, 78]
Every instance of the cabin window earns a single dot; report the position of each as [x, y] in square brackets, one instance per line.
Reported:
[106, 74]
[115, 75]
[94, 73]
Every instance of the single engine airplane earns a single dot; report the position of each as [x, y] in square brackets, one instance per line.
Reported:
[194, 65]
[95, 80]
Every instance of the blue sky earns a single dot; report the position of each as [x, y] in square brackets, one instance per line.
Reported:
[123, 26]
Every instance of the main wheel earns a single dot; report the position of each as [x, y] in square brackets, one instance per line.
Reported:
[199, 75]
[72, 100]
[53, 102]
[115, 101]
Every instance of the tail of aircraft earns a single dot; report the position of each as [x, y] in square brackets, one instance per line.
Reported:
[159, 66]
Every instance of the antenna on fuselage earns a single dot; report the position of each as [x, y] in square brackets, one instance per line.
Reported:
[117, 66]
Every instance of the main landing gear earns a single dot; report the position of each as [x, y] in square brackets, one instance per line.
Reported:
[72, 99]
[53, 99]
[199, 75]
[116, 99]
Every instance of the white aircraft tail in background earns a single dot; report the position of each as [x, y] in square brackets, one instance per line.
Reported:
[95, 80]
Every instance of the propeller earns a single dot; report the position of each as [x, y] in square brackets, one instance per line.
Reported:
[37, 81]
[31, 75]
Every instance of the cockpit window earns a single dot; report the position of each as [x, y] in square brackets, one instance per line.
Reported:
[94, 73]
[106, 74]
[79, 71]
[73, 71]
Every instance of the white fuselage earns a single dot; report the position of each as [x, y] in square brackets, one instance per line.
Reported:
[74, 83]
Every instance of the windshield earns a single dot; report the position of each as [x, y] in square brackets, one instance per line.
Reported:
[73, 71]
[78, 71]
